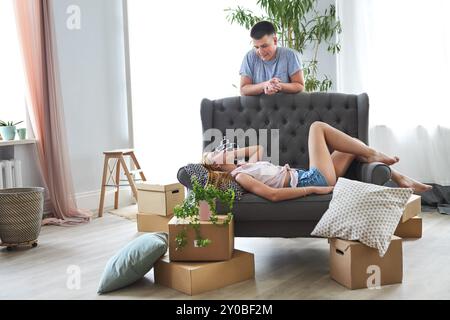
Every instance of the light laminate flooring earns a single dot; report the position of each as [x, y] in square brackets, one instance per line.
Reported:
[285, 268]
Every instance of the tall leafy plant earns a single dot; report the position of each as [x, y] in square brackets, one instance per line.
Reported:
[300, 25]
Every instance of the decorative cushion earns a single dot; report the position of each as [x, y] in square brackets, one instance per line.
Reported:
[201, 173]
[364, 212]
[133, 261]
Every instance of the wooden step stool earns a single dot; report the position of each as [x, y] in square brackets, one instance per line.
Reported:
[120, 162]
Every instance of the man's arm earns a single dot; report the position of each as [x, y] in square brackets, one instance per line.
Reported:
[250, 89]
[296, 85]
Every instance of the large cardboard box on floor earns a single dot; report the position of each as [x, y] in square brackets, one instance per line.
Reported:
[221, 236]
[159, 199]
[152, 223]
[413, 208]
[194, 278]
[411, 229]
[357, 266]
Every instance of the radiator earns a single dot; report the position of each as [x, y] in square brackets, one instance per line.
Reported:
[10, 174]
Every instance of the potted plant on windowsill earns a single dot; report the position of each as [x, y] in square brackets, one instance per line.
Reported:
[8, 129]
[200, 205]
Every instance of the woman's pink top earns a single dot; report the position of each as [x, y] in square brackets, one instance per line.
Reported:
[268, 173]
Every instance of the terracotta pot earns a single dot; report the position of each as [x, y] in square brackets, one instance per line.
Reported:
[203, 211]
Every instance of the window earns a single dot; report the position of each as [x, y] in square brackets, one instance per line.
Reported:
[178, 56]
[12, 82]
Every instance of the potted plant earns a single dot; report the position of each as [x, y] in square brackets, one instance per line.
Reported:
[8, 129]
[202, 199]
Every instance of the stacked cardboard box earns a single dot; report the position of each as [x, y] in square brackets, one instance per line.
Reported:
[357, 266]
[156, 204]
[410, 225]
[194, 269]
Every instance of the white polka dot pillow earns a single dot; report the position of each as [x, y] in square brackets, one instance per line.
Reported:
[363, 212]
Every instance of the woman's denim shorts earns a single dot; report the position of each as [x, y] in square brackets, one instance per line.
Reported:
[311, 178]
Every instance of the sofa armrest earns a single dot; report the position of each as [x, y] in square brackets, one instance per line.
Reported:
[376, 172]
[183, 178]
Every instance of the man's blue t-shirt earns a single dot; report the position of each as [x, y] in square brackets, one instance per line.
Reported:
[286, 63]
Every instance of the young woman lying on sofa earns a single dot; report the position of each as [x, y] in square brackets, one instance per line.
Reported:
[277, 183]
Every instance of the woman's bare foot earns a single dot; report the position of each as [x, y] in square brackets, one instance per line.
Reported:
[379, 157]
[407, 182]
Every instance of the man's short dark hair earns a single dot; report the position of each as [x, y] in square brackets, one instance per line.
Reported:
[261, 29]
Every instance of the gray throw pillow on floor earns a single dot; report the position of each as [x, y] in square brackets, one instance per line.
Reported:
[363, 212]
[133, 262]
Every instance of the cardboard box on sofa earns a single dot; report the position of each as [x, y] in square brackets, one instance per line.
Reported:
[413, 208]
[221, 236]
[197, 277]
[159, 199]
[152, 223]
[356, 266]
[410, 229]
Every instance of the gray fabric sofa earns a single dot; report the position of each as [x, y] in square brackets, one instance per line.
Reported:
[292, 115]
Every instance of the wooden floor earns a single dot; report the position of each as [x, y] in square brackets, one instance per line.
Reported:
[285, 268]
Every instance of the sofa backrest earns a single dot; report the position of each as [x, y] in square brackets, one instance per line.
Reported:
[292, 114]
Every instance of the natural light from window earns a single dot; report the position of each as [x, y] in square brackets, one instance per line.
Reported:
[12, 87]
[179, 54]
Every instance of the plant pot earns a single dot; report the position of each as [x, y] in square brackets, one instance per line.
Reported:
[8, 133]
[204, 212]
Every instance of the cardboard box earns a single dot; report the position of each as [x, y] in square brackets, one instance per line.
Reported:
[356, 266]
[410, 229]
[195, 278]
[152, 223]
[413, 208]
[159, 199]
[220, 248]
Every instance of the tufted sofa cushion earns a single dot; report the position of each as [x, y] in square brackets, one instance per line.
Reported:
[292, 114]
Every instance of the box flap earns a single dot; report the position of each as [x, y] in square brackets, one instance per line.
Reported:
[147, 186]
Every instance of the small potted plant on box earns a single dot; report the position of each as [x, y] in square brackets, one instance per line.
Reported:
[8, 129]
[200, 205]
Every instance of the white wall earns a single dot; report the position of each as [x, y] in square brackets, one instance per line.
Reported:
[327, 61]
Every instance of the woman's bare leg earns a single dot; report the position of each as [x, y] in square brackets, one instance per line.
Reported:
[406, 182]
[319, 155]
[341, 162]
[322, 135]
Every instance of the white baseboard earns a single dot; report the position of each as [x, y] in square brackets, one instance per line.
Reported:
[91, 200]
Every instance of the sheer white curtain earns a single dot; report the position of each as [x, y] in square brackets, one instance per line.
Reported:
[180, 53]
[398, 51]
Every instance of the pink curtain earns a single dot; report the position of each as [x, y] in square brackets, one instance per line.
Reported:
[36, 34]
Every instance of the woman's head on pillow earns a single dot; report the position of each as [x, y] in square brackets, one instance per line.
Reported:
[220, 160]
[218, 172]
[207, 175]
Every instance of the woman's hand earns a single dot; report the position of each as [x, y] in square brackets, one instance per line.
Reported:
[323, 190]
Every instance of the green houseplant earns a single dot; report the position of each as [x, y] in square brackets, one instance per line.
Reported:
[8, 129]
[300, 26]
[189, 210]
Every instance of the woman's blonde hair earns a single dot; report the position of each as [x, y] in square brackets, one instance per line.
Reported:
[219, 179]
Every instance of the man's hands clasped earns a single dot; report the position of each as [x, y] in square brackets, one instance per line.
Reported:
[272, 86]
